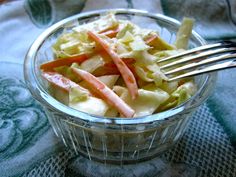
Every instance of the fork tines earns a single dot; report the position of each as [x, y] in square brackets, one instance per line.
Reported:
[189, 61]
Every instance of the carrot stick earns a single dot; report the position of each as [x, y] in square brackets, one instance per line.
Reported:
[110, 68]
[105, 92]
[150, 39]
[129, 62]
[49, 66]
[110, 32]
[124, 70]
[158, 43]
[60, 81]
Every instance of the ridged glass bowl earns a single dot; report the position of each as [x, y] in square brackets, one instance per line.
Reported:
[123, 140]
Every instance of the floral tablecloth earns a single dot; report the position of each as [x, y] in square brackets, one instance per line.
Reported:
[28, 146]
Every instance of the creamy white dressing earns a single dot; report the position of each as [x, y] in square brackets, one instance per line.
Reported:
[129, 42]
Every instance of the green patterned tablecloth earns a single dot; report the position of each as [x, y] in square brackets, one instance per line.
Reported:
[28, 146]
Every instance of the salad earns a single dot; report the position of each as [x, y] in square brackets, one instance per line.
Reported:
[109, 68]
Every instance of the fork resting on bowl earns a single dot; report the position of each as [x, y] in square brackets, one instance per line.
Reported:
[199, 60]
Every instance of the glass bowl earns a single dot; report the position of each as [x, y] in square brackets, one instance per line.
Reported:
[113, 140]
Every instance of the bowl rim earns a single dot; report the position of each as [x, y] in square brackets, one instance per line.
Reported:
[46, 99]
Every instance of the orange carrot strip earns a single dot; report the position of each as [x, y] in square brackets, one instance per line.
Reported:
[128, 62]
[158, 43]
[150, 39]
[105, 92]
[105, 70]
[60, 81]
[110, 68]
[132, 69]
[110, 32]
[124, 70]
[62, 62]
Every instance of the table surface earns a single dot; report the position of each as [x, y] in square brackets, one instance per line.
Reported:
[28, 146]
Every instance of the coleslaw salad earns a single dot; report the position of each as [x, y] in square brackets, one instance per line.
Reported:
[115, 62]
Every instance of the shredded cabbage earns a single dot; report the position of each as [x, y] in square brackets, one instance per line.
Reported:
[67, 72]
[184, 33]
[105, 22]
[160, 44]
[72, 44]
[184, 92]
[92, 64]
[77, 95]
[128, 37]
[109, 80]
[91, 105]
[152, 99]
[140, 49]
[138, 44]
[167, 53]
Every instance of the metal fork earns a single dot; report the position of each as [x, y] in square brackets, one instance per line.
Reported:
[203, 59]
